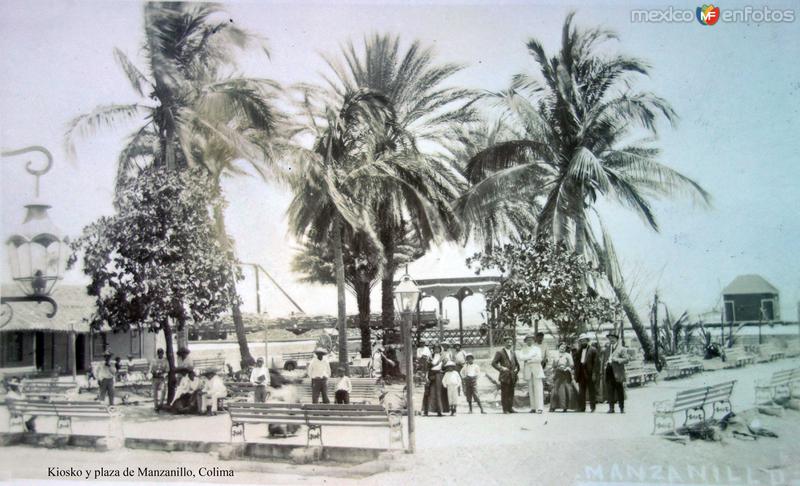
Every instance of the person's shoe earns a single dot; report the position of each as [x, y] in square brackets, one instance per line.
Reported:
[610, 410]
[425, 413]
[482, 411]
[506, 411]
[532, 411]
[592, 410]
[439, 414]
[540, 411]
[512, 411]
[621, 410]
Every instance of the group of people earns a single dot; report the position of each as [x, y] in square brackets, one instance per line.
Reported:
[582, 374]
[448, 373]
[578, 374]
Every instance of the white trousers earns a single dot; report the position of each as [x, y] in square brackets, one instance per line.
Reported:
[535, 387]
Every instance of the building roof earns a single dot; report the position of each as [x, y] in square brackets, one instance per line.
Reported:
[75, 307]
[749, 284]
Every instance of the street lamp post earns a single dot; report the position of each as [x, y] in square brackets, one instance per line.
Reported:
[37, 250]
[407, 295]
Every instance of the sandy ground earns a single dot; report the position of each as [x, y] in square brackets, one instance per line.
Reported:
[553, 448]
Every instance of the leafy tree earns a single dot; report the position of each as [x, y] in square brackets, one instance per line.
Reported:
[542, 280]
[157, 262]
[579, 122]
[193, 113]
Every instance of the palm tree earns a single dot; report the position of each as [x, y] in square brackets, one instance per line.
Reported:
[577, 123]
[326, 204]
[419, 194]
[315, 261]
[192, 114]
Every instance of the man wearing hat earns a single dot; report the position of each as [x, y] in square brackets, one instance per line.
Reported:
[184, 364]
[158, 371]
[14, 393]
[531, 356]
[213, 388]
[319, 370]
[259, 376]
[586, 363]
[507, 364]
[105, 378]
[616, 356]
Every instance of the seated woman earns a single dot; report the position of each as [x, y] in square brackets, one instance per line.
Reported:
[187, 395]
[213, 388]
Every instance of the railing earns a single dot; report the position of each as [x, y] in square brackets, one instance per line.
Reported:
[467, 337]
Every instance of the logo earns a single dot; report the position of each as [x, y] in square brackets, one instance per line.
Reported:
[708, 14]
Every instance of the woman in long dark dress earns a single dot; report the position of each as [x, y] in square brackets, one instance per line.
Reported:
[563, 391]
[434, 388]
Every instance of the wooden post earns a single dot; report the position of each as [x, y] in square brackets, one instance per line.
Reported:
[72, 353]
[441, 319]
[460, 323]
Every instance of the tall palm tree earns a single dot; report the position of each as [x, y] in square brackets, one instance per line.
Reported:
[579, 121]
[192, 113]
[326, 203]
[418, 197]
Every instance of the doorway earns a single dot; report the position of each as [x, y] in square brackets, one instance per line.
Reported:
[38, 349]
[80, 352]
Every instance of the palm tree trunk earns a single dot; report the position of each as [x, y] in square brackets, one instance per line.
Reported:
[362, 298]
[387, 280]
[241, 337]
[341, 316]
[636, 322]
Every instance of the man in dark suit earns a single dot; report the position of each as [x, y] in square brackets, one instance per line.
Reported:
[615, 357]
[586, 362]
[505, 361]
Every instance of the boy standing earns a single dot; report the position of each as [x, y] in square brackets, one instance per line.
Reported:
[343, 388]
[470, 373]
[452, 382]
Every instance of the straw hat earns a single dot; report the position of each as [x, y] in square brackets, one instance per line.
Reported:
[585, 336]
[320, 351]
[449, 364]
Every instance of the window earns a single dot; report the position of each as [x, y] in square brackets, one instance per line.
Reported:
[135, 345]
[99, 345]
[730, 315]
[768, 310]
[13, 347]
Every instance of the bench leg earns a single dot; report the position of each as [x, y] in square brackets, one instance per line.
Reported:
[699, 413]
[314, 432]
[396, 429]
[663, 423]
[722, 406]
[764, 394]
[16, 421]
[64, 425]
[237, 430]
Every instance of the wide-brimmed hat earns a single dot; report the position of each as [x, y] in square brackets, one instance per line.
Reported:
[612, 334]
[449, 364]
[183, 351]
[585, 336]
[528, 336]
[14, 381]
[320, 351]
[209, 371]
[107, 353]
[469, 355]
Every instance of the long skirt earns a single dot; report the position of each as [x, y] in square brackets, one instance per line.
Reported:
[563, 394]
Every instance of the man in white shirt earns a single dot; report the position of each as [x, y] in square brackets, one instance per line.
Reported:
[213, 389]
[187, 394]
[105, 378]
[319, 370]
[424, 351]
[531, 356]
[259, 376]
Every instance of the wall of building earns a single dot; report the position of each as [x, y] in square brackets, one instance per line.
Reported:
[748, 307]
[135, 343]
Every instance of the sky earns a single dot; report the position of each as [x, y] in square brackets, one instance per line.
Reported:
[735, 86]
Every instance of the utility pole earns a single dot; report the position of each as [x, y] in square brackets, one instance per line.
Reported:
[655, 329]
